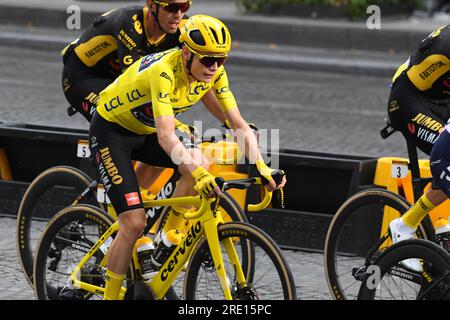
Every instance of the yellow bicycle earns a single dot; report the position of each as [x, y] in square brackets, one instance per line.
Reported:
[232, 260]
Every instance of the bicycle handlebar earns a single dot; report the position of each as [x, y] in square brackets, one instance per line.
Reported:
[234, 184]
[263, 204]
[199, 212]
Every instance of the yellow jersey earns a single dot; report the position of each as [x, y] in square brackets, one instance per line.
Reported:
[157, 85]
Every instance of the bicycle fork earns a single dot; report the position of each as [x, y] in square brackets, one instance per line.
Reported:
[212, 236]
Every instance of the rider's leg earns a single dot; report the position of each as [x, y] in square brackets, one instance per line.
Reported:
[439, 164]
[112, 146]
[427, 202]
[184, 187]
[119, 254]
[147, 174]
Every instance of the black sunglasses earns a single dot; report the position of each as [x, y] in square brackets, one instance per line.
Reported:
[174, 7]
[210, 61]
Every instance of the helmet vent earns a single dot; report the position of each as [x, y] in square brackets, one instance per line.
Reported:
[224, 36]
[217, 38]
[197, 37]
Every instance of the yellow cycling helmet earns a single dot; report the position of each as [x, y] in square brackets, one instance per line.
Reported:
[206, 35]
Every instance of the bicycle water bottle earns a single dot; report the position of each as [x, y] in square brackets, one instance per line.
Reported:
[443, 233]
[144, 249]
[167, 243]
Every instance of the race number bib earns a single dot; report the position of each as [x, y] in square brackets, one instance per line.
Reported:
[83, 150]
[399, 169]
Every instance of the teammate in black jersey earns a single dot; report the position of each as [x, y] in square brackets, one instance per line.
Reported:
[418, 104]
[112, 43]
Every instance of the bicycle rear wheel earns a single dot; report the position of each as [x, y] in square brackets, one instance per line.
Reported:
[272, 278]
[37, 207]
[394, 281]
[354, 231]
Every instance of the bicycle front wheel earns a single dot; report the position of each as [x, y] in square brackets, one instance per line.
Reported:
[64, 242]
[351, 242]
[272, 278]
[390, 279]
[37, 208]
[231, 211]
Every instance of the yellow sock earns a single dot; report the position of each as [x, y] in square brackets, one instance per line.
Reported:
[113, 285]
[418, 211]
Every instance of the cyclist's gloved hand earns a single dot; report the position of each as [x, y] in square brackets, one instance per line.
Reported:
[205, 182]
[275, 178]
[227, 125]
[187, 129]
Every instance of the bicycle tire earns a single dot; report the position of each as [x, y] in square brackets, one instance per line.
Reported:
[55, 176]
[73, 214]
[433, 282]
[258, 238]
[341, 221]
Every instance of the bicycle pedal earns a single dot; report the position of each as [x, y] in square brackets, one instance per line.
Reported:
[71, 294]
[359, 273]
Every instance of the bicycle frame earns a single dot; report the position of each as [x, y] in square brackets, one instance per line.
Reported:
[221, 154]
[205, 221]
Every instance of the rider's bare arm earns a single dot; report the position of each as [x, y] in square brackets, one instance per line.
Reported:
[213, 105]
[165, 130]
[250, 147]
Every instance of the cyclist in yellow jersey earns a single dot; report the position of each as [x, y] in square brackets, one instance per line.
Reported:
[135, 119]
[112, 43]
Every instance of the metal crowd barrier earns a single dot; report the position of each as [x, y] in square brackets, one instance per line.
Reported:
[318, 183]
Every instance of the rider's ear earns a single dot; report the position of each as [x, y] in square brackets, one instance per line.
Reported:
[186, 53]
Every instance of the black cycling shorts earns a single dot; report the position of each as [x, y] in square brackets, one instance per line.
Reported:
[414, 115]
[82, 85]
[440, 163]
[113, 148]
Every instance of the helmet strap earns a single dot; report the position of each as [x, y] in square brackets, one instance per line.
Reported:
[155, 16]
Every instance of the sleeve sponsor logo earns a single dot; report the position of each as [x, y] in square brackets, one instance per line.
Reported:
[166, 76]
[181, 110]
[223, 90]
[132, 199]
[97, 49]
[164, 98]
[424, 74]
